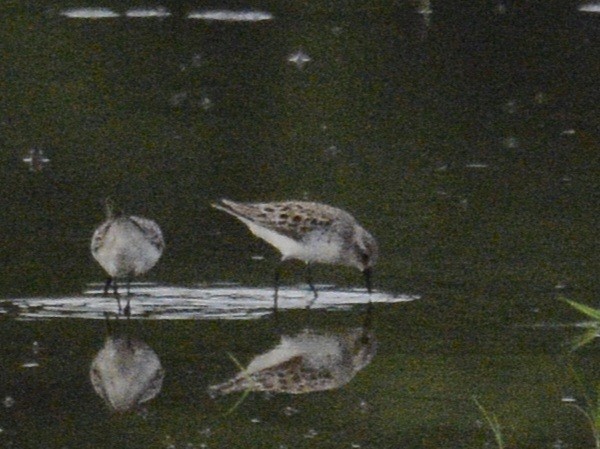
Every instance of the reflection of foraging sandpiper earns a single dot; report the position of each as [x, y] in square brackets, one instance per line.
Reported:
[309, 361]
[126, 246]
[310, 232]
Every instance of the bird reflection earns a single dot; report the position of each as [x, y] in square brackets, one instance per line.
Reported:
[309, 361]
[126, 372]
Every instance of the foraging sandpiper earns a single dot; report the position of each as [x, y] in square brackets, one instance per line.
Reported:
[126, 246]
[310, 232]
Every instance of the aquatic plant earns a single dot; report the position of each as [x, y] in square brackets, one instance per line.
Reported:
[493, 423]
[245, 394]
[589, 408]
[593, 330]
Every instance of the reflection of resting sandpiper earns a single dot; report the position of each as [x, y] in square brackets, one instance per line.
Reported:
[307, 362]
[126, 246]
[310, 232]
[126, 372]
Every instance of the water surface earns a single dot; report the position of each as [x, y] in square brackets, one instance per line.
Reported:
[464, 137]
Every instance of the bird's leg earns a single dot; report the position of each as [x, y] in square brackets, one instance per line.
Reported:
[368, 320]
[107, 285]
[367, 323]
[311, 285]
[116, 293]
[368, 274]
[127, 310]
[107, 324]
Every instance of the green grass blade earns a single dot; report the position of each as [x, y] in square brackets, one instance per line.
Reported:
[246, 392]
[586, 310]
[493, 422]
[584, 338]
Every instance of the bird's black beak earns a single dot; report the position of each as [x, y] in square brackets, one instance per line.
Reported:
[368, 273]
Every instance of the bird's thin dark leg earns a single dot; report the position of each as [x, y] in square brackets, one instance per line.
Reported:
[368, 319]
[127, 310]
[107, 285]
[309, 280]
[367, 323]
[108, 326]
[116, 293]
[368, 274]
[127, 332]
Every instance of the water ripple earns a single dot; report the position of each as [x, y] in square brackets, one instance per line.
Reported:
[231, 302]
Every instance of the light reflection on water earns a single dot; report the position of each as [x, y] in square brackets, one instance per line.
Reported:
[223, 15]
[159, 302]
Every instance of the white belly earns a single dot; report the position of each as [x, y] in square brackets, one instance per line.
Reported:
[314, 250]
[126, 252]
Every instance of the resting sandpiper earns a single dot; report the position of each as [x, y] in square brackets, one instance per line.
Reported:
[310, 232]
[126, 246]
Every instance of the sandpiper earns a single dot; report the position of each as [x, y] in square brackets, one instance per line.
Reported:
[310, 232]
[126, 246]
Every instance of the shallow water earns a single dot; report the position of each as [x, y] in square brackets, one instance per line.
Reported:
[464, 137]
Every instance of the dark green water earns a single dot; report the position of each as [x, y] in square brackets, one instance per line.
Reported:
[469, 147]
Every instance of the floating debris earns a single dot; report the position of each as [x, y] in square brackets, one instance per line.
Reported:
[231, 16]
[510, 107]
[477, 165]
[197, 60]
[36, 160]
[299, 59]
[8, 401]
[364, 406]
[540, 98]
[30, 365]
[290, 411]
[590, 7]
[178, 99]
[425, 10]
[206, 103]
[159, 12]
[89, 13]
[332, 151]
[511, 142]
[568, 132]
[501, 8]
[311, 433]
